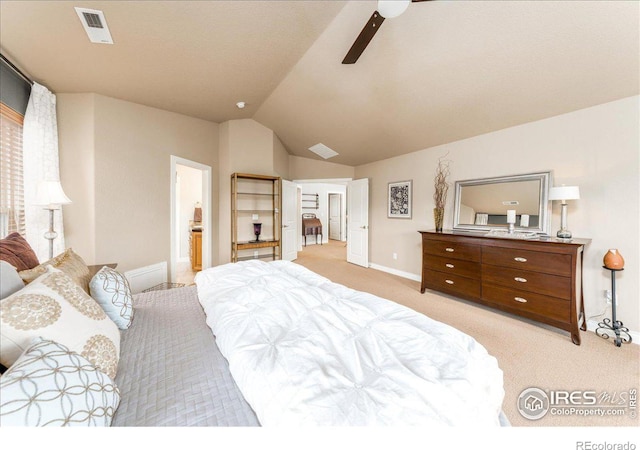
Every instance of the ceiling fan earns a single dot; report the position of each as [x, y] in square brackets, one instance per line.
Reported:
[386, 9]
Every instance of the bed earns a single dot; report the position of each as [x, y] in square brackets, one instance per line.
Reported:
[274, 344]
[306, 351]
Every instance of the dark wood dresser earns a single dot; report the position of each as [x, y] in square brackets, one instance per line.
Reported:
[537, 279]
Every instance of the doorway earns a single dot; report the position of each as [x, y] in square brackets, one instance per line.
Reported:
[353, 219]
[191, 225]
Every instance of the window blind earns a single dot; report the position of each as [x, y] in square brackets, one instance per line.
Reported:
[12, 216]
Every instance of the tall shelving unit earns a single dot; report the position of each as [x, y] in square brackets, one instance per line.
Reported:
[255, 199]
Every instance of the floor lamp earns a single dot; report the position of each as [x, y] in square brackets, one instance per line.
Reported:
[51, 195]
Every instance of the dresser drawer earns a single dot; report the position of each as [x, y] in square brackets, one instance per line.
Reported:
[542, 305]
[455, 250]
[452, 284]
[552, 263]
[524, 280]
[452, 266]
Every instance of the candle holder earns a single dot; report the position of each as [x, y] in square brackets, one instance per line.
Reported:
[621, 332]
[257, 229]
[511, 220]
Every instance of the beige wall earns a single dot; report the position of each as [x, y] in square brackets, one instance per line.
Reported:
[246, 147]
[129, 220]
[595, 148]
[76, 136]
[280, 158]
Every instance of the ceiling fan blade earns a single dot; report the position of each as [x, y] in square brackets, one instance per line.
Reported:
[363, 38]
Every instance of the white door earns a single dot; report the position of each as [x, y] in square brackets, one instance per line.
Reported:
[289, 222]
[358, 222]
[335, 216]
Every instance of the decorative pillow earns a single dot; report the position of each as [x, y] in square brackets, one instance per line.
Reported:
[49, 385]
[69, 262]
[15, 250]
[10, 281]
[54, 307]
[111, 290]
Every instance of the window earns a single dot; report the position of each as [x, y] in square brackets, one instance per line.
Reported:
[12, 217]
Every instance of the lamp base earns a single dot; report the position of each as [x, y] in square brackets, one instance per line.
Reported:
[563, 234]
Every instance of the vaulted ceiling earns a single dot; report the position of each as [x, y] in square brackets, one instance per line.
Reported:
[440, 72]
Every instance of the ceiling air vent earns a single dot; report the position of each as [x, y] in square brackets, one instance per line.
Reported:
[323, 151]
[95, 25]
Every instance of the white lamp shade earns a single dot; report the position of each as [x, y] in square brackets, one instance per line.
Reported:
[51, 193]
[564, 193]
[392, 8]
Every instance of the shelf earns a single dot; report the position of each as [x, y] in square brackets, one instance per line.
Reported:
[261, 244]
[315, 200]
[247, 258]
[257, 193]
[266, 201]
[256, 210]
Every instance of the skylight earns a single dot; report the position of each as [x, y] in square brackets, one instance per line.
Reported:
[323, 151]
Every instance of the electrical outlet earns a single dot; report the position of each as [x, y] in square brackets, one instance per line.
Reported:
[607, 295]
[255, 254]
[395, 256]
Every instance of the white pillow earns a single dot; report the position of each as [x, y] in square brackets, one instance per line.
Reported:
[10, 280]
[55, 307]
[111, 290]
[49, 385]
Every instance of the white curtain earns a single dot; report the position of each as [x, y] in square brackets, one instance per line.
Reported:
[40, 144]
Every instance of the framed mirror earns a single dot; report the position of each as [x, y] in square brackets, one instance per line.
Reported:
[482, 204]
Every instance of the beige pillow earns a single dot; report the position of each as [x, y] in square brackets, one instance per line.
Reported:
[54, 307]
[69, 262]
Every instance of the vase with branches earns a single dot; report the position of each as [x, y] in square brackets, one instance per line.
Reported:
[441, 185]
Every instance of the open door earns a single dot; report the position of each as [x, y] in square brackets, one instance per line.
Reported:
[289, 221]
[335, 216]
[358, 222]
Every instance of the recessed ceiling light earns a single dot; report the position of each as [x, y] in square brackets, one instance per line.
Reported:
[241, 105]
[323, 151]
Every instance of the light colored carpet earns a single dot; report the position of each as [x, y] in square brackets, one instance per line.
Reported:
[530, 355]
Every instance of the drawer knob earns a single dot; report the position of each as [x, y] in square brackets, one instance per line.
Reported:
[520, 279]
[520, 299]
[449, 249]
[520, 259]
[448, 281]
[450, 266]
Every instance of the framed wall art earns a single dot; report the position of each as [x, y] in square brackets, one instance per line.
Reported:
[399, 200]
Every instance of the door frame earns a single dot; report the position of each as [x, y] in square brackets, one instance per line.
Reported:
[207, 223]
[345, 219]
[284, 223]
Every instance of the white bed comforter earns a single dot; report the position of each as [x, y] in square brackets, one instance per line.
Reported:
[306, 351]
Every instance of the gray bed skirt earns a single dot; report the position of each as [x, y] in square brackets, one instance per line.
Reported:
[171, 372]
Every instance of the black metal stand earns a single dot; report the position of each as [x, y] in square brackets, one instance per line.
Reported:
[614, 325]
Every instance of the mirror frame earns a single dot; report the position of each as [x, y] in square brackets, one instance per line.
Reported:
[544, 207]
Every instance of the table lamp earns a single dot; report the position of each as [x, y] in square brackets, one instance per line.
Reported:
[564, 193]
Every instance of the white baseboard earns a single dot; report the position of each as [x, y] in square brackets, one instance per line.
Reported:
[146, 277]
[400, 273]
[591, 324]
